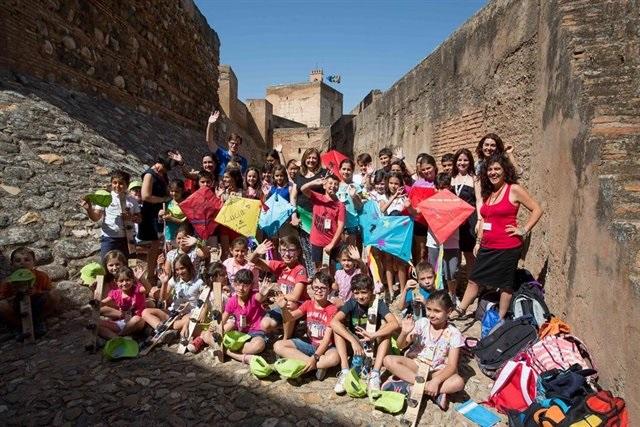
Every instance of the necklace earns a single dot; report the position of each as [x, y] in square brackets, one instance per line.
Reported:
[496, 195]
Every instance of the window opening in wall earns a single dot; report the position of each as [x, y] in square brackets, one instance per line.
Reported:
[299, 150]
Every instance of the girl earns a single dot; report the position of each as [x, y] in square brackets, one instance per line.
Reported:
[231, 187]
[281, 184]
[500, 238]
[209, 164]
[186, 245]
[291, 277]
[379, 193]
[397, 202]
[293, 167]
[238, 260]
[173, 215]
[275, 156]
[351, 265]
[491, 144]
[348, 194]
[431, 335]
[184, 287]
[112, 263]
[467, 187]
[252, 189]
[318, 351]
[267, 178]
[398, 166]
[426, 174]
[123, 306]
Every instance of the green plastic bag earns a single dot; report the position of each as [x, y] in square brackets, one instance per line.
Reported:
[121, 348]
[259, 367]
[289, 368]
[234, 340]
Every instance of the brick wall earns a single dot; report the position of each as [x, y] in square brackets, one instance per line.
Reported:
[158, 57]
[296, 140]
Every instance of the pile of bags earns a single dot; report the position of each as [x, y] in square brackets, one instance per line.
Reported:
[544, 376]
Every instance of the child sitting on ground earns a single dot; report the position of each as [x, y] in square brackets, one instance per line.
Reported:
[238, 261]
[318, 351]
[355, 314]
[415, 294]
[44, 300]
[429, 333]
[351, 265]
[123, 307]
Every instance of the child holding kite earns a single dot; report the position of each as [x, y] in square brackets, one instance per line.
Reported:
[252, 187]
[348, 194]
[416, 293]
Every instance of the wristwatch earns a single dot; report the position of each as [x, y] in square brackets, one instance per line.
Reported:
[315, 356]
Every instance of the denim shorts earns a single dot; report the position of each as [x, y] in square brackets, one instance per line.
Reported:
[259, 334]
[304, 346]
[276, 314]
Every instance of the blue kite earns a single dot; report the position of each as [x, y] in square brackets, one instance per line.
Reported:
[390, 234]
[275, 213]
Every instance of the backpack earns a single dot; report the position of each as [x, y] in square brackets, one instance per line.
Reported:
[598, 409]
[567, 384]
[548, 412]
[490, 319]
[514, 389]
[553, 326]
[502, 344]
[485, 301]
[528, 300]
[559, 352]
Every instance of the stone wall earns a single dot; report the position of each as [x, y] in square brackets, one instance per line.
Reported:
[296, 140]
[158, 57]
[558, 80]
[315, 104]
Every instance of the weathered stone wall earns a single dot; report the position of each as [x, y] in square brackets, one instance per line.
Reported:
[314, 104]
[558, 80]
[295, 140]
[158, 57]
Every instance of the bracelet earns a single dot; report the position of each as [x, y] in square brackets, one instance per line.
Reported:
[316, 357]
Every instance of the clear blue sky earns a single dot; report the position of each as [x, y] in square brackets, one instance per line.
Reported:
[371, 44]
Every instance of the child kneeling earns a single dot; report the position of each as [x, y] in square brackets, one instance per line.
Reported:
[318, 352]
[429, 333]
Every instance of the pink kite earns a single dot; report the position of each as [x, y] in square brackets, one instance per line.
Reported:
[444, 212]
[416, 196]
[201, 208]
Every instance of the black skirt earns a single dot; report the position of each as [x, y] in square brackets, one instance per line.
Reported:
[496, 268]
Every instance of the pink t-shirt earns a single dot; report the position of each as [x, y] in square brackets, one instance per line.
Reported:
[343, 280]
[252, 312]
[318, 320]
[233, 267]
[134, 303]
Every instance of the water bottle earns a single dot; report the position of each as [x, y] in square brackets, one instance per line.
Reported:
[357, 363]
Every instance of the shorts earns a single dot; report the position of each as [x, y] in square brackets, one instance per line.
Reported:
[450, 261]
[275, 314]
[259, 334]
[317, 254]
[113, 243]
[304, 346]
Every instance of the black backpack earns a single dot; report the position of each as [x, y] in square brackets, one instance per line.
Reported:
[502, 344]
[528, 300]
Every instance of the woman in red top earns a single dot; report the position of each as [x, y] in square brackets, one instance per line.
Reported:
[499, 242]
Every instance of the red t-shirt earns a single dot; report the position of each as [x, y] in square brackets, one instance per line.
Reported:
[318, 319]
[326, 214]
[289, 276]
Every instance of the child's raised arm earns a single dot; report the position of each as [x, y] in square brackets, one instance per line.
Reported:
[406, 334]
[306, 188]
[94, 215]
[262, 249]
[213, 118]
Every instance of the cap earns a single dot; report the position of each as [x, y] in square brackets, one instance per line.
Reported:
[22, 275]
[289, 368]
[259, 367]
[134, 184]
[89, 272]
[234, 340]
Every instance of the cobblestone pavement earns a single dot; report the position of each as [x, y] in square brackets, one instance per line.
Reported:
[55, 382]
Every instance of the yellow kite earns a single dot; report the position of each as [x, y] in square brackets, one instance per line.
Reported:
[240, 215]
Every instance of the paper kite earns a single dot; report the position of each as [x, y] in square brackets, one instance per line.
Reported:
[390, 234]
[201, 208]
[240, 215]
[274, 214]
[444, 212]
[331, 160]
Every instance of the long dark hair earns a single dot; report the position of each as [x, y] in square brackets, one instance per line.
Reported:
[510, 175]
[496, 138]
[471, 170]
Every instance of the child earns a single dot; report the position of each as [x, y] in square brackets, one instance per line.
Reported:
[206, 179]
[447, 163]
[183, 288]
[112, 262]
[451, 256]
[426, 175]
[432, 332]
[187, 244]
[318, 351]
[231, 187]
[351, 265]
[355, 313]
[44, 300]
[135, 191]
[412, 303]
[293, 167]
[385, 156]
[363, 177]
[123, 307]
[379, 193]
[238, 260]
[173, 215]
[246, 308]
[113, 235]
[281, 184]
[291, 277]
[267, 178]
[252, 189]
[328, 218]
[348, 194]
[398, 166]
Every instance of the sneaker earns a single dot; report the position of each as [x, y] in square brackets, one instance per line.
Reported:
[339, 387]
[442, 401]
[320, 374]
[196, 345]
[397, 385]
[374, 381]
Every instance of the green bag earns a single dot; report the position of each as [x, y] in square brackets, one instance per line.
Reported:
[101, 198]
[354, 385]
[22, 275]
[234, 340]
[89, 272]
[389, 401]
[289, 368]
[259, 367]
[121, 348]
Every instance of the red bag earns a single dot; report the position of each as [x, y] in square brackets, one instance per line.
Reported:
[514, 389]
[612, 410]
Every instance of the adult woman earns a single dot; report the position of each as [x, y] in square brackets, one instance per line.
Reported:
[492, 144]
[309, 171]
[466, 186]
[154, 194]
[499, 242]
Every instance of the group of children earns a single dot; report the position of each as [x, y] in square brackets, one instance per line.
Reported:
[285, 281]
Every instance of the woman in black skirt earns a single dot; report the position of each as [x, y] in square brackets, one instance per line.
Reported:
[500, 237]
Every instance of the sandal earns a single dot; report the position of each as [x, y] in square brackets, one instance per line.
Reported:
[459, 314]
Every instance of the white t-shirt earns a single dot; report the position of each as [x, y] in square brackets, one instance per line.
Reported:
[182, 292]
[453, 242]
[441, 342]
[112, 224]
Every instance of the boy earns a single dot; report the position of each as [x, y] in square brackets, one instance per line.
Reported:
[113, 218]
[135, 191]
[385, 156]
[44, 299]
[355, 313]
[318, 351]
[328, 218]
[447, 163]
[363, 177]
[414, 304]
[234, 141]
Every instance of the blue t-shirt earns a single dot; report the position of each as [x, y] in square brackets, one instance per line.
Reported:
[224, 157]
[280, 191]
[409, 299]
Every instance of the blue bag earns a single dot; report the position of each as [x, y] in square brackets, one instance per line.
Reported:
[490, 319]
